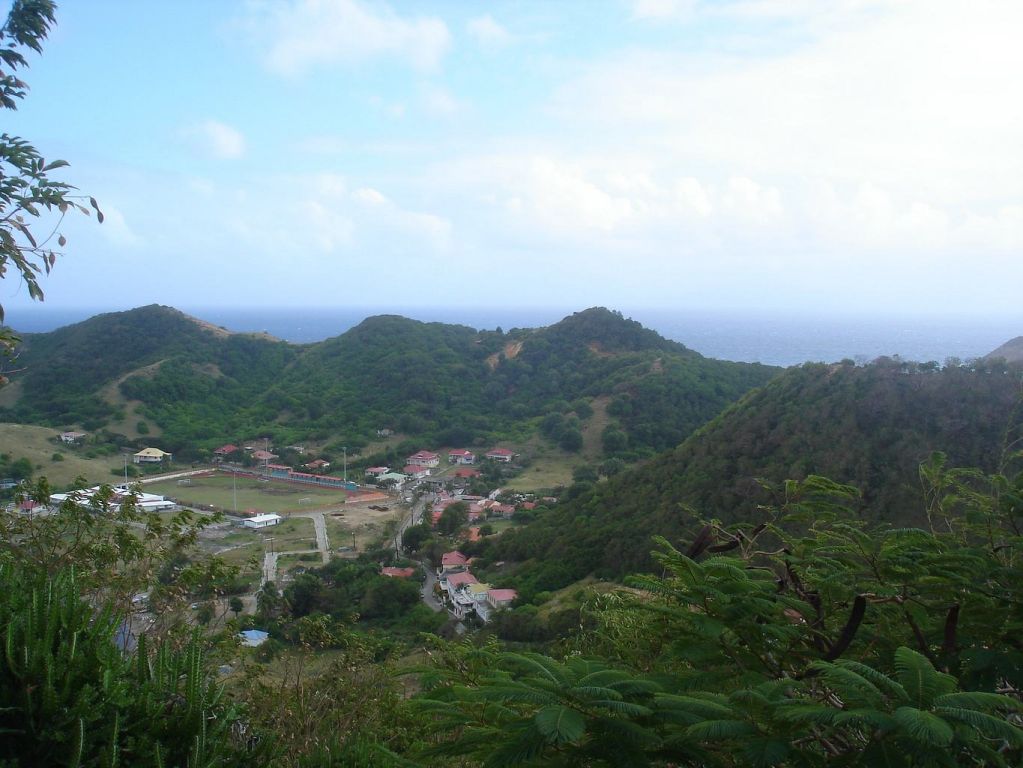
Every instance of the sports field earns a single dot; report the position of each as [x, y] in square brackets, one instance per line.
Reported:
[230, 494]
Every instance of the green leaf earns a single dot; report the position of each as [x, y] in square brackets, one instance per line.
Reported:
[978, 700]
[720, 730]
[560, 725]
[990, 726]
[921, 681]
[924, 727]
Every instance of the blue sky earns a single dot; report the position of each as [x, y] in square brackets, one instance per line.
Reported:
[853, 155]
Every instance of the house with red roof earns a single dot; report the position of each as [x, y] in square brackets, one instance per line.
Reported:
[375, 471]
[466, 472]
[461, 456]
[456, 580]
[500, 454]
[451, 562]
[423, 459]
[318, 464]
[262, 455]
[416, 471]
[453, 558]
[226, 450]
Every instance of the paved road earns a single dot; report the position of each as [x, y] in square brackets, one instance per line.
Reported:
[429, 598]
[320, 526]
[414, 518]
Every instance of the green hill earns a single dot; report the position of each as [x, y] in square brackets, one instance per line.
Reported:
[176, 365]
[445, 384]
[867, 426]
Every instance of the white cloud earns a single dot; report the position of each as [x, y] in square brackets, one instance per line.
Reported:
[439, 101]
[691, 196]
[487, 32]
[393, 109]
[746, 199]
[217, 139]
[302, 34]
[369, 195]
[115, 229]
[909, 108]
[662, 9]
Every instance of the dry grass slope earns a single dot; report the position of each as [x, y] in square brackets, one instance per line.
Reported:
[36, 444]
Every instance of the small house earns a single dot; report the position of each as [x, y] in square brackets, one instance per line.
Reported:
[423, 459]
[501, 454]
[151, 456]
[461, 456]
[416, 471]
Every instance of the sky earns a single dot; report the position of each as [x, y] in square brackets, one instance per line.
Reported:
[797, 155]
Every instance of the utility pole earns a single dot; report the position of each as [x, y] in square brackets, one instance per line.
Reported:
[345, 450]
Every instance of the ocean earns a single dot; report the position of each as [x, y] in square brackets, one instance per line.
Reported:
[773, 338]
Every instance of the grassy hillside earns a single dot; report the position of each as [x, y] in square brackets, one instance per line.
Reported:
[868, 426]
[36, 444]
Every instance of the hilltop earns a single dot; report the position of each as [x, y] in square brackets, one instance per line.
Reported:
[199, 385]
[1011, 351]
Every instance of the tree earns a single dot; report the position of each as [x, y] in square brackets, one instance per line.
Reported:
[808, 639]
[26, 189]
[453, 517]
[236, 605]
[414, 536]
[611, 467]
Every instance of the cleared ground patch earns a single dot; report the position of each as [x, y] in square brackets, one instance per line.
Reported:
[359, 526]
[593, 429]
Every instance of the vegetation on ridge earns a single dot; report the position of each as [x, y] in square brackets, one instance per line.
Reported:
[444, 384]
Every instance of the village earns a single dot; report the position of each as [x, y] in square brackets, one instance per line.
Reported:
[420, 493]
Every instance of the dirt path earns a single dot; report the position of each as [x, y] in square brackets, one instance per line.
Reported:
[172, 476]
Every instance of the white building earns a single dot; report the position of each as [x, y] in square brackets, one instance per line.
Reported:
[262, 521]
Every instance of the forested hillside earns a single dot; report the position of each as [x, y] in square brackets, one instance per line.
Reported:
[867, 426]
[185, 365]
[447, 384]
